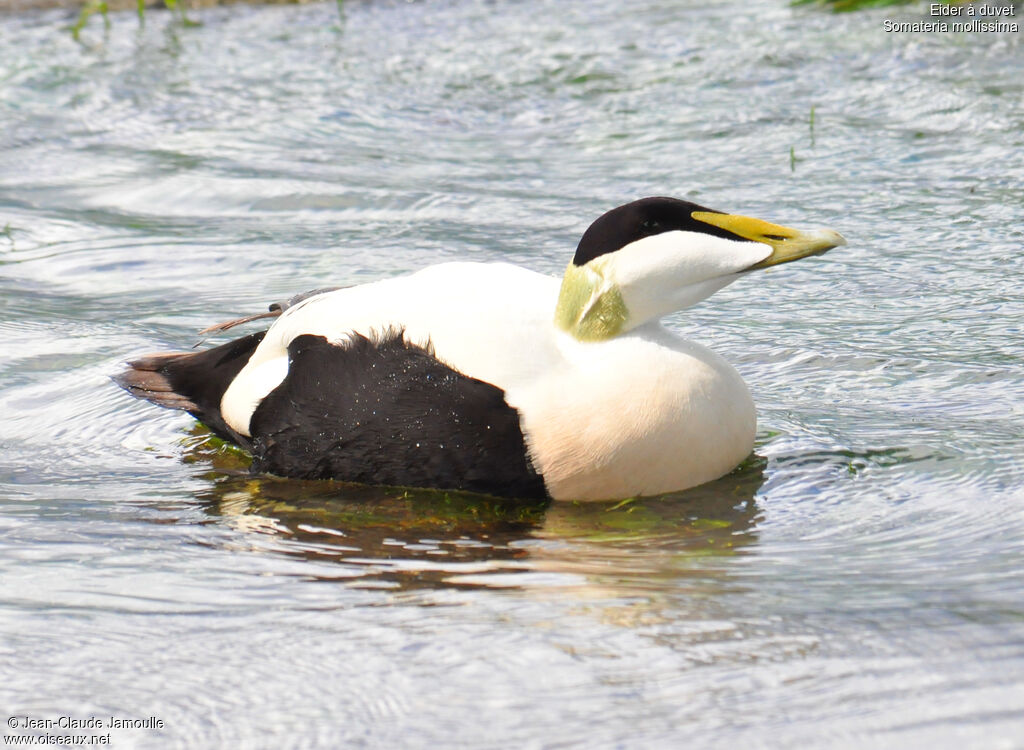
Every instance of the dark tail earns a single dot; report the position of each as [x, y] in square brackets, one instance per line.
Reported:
[192, 381]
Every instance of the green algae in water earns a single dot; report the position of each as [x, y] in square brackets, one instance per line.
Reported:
[92, 7]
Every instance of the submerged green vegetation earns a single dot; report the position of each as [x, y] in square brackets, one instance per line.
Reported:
[101, 7]
[841, 6]
[847, 5]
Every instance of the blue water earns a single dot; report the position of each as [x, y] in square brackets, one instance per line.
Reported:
[857, 583]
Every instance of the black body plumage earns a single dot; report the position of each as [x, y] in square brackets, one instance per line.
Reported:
[369, 410]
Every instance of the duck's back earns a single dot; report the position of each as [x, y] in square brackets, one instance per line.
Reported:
[491, 321]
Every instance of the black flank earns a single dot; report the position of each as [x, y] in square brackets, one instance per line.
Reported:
[382, 411]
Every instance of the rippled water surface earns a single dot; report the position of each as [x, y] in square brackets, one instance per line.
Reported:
[857, 583]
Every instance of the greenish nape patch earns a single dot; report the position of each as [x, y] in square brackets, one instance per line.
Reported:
[589, 306]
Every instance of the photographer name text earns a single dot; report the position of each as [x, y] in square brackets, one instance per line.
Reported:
[92, 722]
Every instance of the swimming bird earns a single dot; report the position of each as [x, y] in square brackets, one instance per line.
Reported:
[491, 378]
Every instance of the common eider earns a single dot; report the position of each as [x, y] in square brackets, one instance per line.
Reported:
[491, 378]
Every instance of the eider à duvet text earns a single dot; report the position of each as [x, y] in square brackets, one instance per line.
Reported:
[491, 378]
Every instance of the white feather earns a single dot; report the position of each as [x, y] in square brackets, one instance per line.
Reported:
[671, 271]
[485, 320]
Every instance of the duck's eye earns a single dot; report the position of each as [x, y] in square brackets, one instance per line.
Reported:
[651, 225]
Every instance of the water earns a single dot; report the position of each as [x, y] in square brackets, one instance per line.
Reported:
[856, 584]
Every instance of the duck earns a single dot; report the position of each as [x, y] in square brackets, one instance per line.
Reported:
[495, 379]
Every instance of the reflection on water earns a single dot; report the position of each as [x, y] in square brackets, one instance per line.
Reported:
[409, 538]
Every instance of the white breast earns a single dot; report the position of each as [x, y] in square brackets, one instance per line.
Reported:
[641, 414]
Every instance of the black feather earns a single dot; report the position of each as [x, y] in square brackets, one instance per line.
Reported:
[192, 381]
[382, 411]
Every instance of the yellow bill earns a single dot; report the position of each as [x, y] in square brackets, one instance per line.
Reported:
[787, 244]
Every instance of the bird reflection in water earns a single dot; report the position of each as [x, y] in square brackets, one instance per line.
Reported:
[409, 539]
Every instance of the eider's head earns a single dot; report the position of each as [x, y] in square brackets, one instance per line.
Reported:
[654, 256]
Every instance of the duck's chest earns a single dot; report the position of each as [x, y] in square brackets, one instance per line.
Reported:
[637, 416]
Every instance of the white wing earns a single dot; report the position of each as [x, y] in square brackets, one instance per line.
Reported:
[488, 321]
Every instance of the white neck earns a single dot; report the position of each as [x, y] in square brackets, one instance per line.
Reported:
[648, 279]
